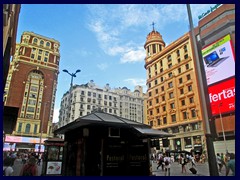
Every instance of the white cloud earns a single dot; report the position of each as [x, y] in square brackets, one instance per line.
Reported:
[55, 115]
[103, 66]
[136, 81]
[133, 56]
[110, 23]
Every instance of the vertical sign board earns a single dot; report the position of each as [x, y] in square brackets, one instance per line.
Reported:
[219, 65]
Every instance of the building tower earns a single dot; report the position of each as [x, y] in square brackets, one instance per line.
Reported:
[31, 85]
[173, 103]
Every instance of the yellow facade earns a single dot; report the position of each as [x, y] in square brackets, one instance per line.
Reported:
[173, 103]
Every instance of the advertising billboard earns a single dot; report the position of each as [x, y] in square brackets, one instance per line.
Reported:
[219, 60]
[222, 97]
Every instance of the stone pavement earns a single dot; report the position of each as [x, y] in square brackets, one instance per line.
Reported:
[176, 170]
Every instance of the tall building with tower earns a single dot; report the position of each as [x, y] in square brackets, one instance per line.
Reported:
[31, 86]
[173, 103]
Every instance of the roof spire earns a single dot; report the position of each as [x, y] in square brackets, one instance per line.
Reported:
[153, 25]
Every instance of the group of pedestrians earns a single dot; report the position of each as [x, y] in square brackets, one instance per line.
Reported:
[21, 164]
[226, 160]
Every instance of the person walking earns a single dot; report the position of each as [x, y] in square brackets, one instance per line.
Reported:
[7, 167]
[183, 163]
[30, 168]
[17, 165]
[231, 165]
[167, 164]
[219, 162]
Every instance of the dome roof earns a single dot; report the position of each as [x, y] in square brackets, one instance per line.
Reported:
[154, 36]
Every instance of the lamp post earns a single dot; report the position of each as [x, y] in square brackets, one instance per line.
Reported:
[220, 114]
[213, 169]
[72, 75]
[41, 128]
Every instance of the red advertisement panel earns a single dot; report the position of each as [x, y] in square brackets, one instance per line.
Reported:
[222, 97]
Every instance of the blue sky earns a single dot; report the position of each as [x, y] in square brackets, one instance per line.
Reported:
[104, 41]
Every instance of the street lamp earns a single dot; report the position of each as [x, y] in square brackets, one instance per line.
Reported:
[72, 75]
[70, 93]
[220, 114]
[41, 128]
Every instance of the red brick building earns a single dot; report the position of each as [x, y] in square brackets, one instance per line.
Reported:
[31, 87]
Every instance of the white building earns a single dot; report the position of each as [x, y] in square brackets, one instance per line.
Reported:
[88, 97]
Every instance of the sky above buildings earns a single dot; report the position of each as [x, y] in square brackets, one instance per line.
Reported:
[105, 41]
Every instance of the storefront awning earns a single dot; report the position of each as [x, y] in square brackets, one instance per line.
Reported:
[153, 132]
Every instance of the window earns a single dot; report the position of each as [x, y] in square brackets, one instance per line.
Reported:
[89, 94]
[19, 127]
[150, 94]
[27, 129]
[158, 111]
[188, 77]
[46, 53]
[178, 53]
[88, 107]
[185, 56]
[39, 58]
[150, 112]
[173, 116]
[149, 85]
[180, 80]
[170, 74]
[40, 51]
[181, 91]
[162, 88]
[105, 96]
[161, 70]
[156, 91]
[30, 109]
[185, 48]
[161, 78]
[32, 56]
[165, 120]
[170, 85]
[150, 103]
[187, 66]
[185, 115]
[35, 129]
[163, 98]
[155, 66]
[35, 41]
[159, 122]
[191, 100]
[110, 97]
[164, 108]
[45, 59]
[154, 48]
[41, 43]
[171, 95]
[157, 101]
[179, 70]
[172, 105]
[169, 65]
[183, 102]
[161, 63]
[169, 58]
[48, 44]
[193, 113]
[156, 82]
[189, 88]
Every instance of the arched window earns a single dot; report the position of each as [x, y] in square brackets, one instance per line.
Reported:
[27, 129]
[35, 40]
[48, 44]
[41, 43]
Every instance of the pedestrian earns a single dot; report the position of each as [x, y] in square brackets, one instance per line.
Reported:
[17, 165]
[30, 168]
[160, 161]
[231, 165]
[7, 167]
[39, 159]
[167, 164]
[183, 163]
[219, 162]
[193, 161]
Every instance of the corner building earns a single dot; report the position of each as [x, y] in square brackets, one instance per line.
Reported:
[31, 87]
[173, 103]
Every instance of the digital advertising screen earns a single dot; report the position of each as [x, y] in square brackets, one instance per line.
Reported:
[222, 97]
[219, 60]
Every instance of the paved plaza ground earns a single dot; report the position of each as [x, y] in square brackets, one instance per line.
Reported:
[176, 170]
